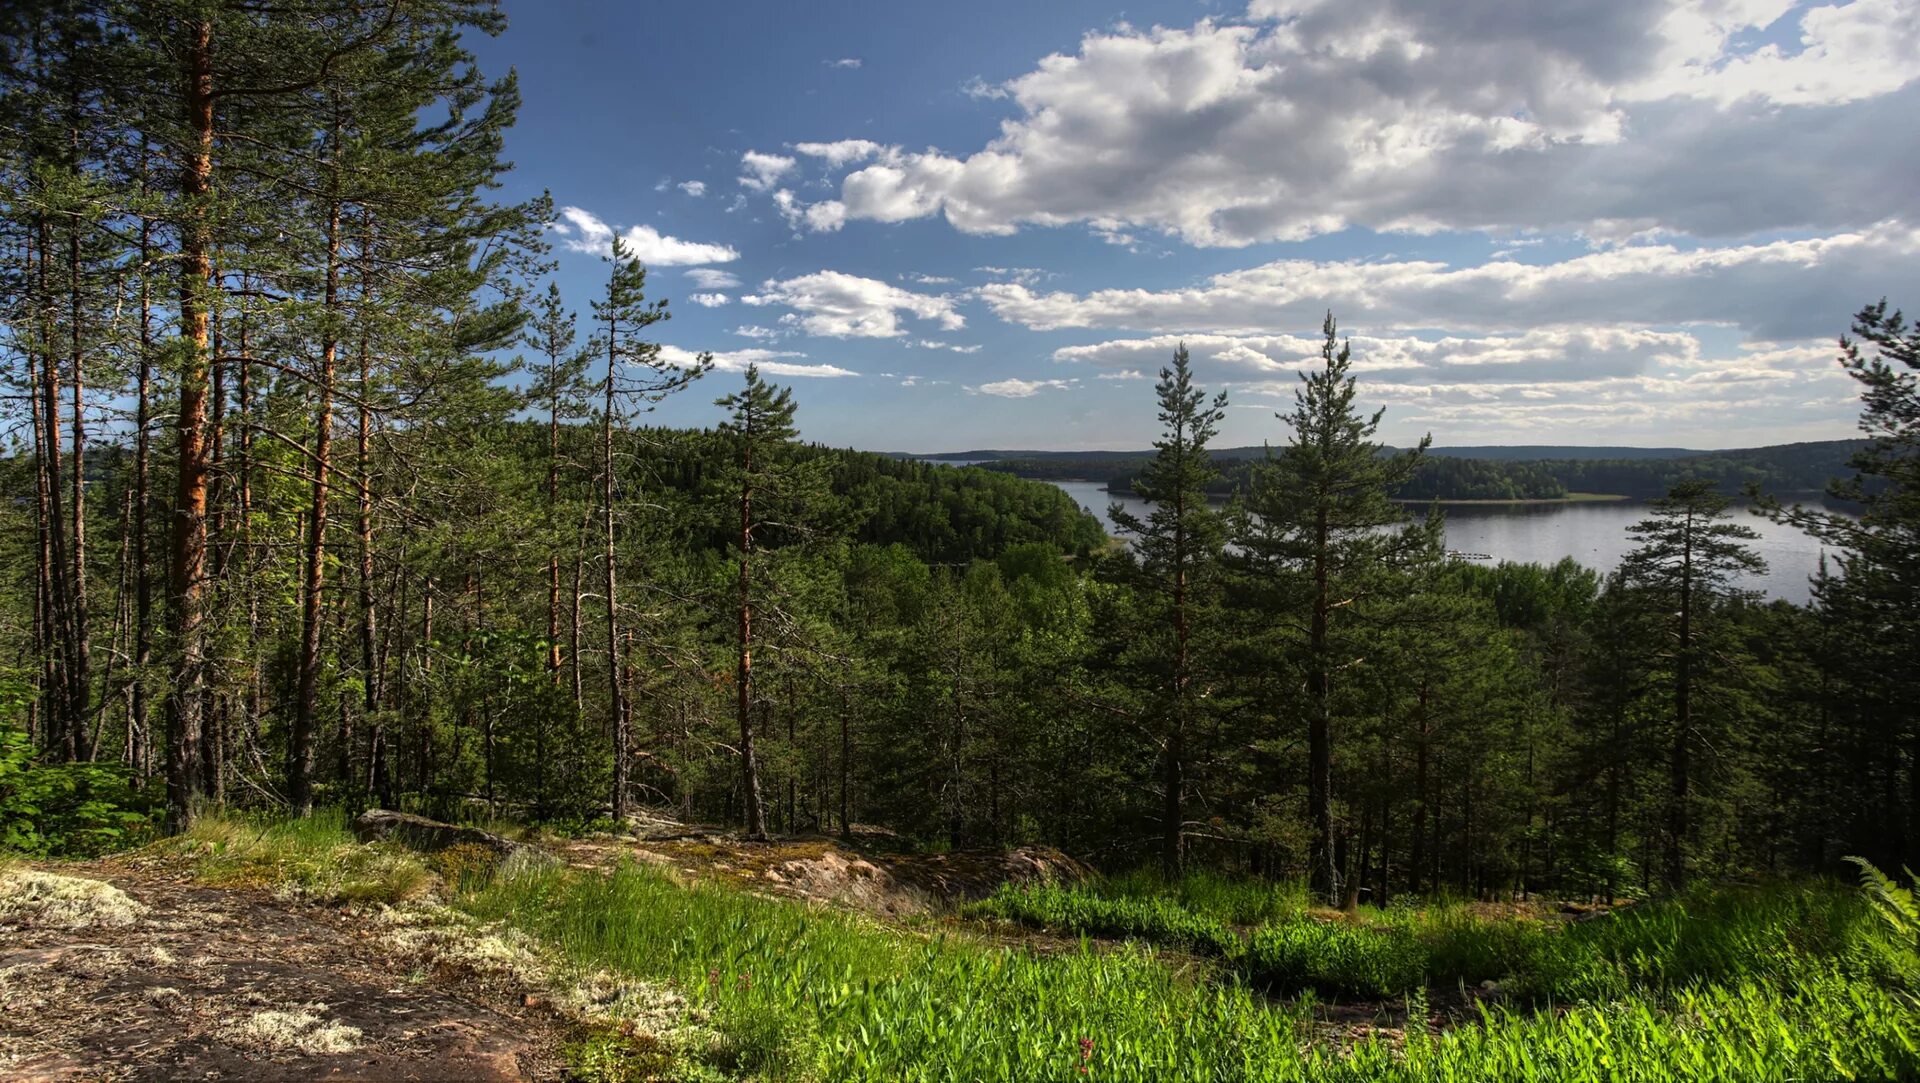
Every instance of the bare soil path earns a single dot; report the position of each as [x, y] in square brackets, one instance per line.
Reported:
[202, 983]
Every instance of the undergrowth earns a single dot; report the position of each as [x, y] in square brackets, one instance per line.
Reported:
[1785, 982]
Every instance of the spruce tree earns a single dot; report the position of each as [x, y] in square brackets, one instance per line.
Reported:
[1178, 544]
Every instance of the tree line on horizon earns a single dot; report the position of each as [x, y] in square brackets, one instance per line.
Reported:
[1787, 468]
[320, 494]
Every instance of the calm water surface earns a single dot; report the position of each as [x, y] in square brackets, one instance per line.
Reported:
[1595, 534]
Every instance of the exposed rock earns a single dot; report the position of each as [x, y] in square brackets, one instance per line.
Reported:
[420, 833]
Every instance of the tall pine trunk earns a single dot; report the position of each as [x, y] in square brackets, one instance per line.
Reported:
[743, 677]
[1325, 877]
[615, 688]
[188, 544]
[300, 740]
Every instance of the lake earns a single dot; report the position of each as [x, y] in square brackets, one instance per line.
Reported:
[1593, 533]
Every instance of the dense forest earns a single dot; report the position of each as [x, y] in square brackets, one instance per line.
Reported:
[319, 495]
[1473, 474]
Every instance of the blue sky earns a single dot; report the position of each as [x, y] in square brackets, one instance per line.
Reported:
[986, 225]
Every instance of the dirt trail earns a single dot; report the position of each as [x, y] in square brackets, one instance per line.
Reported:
[192, 982]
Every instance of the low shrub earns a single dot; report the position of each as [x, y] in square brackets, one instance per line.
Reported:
[67, 809]
[1072, 910]
[1338, 957]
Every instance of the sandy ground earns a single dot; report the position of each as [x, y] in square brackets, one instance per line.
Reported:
[166, 979]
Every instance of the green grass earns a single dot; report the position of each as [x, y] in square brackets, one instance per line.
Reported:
[1779, 933]
[1227, 899]
[315, 859]
[1084, 913]
[806, 993]
[1788, 982]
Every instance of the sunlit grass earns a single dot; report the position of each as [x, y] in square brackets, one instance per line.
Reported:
[315, 858]
[1782, 982]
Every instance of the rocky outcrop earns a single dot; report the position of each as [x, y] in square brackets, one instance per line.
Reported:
[420, 833]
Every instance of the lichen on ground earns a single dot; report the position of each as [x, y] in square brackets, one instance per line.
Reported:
[50, 901]
[294, 1030]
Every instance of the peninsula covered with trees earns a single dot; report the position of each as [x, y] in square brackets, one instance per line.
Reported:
[320, 497]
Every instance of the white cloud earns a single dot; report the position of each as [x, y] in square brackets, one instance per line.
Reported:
[1026, 276]
[841, 152]
[1778, 290]
[843, 62]
[824, 217]
[1629, 385]
[762, 170]
[1015, 388]
[1123, 374]
[694, 188]
[934, 344]
[927, 279]
[709, 300]
[976, 87]
[838, 305]
[713, 278]
[764, 334]
[582, 231]
[770, 362]
[1314, 115]
[1535, 356]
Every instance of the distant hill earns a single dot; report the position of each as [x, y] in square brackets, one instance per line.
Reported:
[1502, 452]
[1535, 472]
[1566, 452]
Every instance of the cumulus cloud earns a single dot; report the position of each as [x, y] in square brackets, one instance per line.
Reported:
[843, 62]
[582, 231]
[693, 187]
[709, 300]
[1015, 388]
[834, 304]
[771, 362]
[760, 171]
[713, 278]
[1313, 115]
[824, 217]
[1777, 290]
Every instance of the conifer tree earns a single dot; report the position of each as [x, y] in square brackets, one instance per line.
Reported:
[1872, 601]
[636, 374]
[1687, 555]
[557, 387]
[1178, 544]
[1313, 532]
[759, 421]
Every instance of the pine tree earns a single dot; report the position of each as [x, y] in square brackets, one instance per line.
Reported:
[635, 373]
[1179, 546]
[1314, 530]
[1872, 603]
[759, 422]
[557, 387]
[1687, 556]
